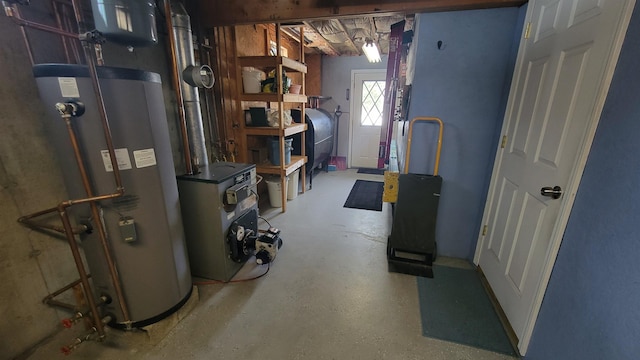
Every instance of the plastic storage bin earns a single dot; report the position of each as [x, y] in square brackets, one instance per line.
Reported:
[274, 151]
[275, 191]
[292, 185]
[251, 80]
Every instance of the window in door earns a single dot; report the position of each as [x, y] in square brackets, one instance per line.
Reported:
[372, 103]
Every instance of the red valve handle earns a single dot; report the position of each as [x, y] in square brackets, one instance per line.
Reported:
[67, 323]
[66, 350]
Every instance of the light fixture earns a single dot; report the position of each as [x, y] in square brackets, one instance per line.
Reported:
[371, 51]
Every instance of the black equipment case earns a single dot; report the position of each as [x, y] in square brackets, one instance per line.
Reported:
[411, 247]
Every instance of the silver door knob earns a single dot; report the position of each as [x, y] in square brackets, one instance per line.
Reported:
[553, 192]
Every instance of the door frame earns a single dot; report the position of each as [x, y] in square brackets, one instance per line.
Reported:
[576, 173]
[352, 106]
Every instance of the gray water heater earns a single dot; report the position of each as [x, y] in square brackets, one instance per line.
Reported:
[144, 227]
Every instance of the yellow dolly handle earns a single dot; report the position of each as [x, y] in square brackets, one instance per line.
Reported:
[409, 138]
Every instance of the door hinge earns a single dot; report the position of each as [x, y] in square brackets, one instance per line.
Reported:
[484, 230]
[527, 30]
[504, 142]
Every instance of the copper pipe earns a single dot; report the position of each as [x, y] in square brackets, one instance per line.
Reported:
[61, 304]
[87, 336]
[92, 199]
[105, 120]
[81, 314]
[74, 44]
[176, 84]
[68, 24]
[60, 229]
[27, 43]
[36, 214]
[95, 211]
[56, 11]
[115, 278]
[84, 277]
[13, 13]
[63, 289]
[89, 55]
[27, 221]
[77, 12]
[97, 48]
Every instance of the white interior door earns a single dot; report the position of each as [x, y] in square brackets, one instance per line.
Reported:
[559, 87]
[367, 87]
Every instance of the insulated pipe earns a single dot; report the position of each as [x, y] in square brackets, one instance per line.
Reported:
[178, 89]
[183, 44]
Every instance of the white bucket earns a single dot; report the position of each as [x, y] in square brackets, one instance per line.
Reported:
[275, 192]
[292, 186]
[251, 79]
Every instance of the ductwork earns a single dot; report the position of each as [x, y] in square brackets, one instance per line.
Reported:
[191, 98]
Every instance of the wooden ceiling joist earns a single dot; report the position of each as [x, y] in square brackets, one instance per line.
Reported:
[223, 13]
[350, 42]
[319, 41]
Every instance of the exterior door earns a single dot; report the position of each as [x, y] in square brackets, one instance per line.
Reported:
[366, 121]
[564, 69]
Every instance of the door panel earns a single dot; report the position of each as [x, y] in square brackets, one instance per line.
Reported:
[367, 110]
[559, 87]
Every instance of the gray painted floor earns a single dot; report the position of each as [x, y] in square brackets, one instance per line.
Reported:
[328, 295]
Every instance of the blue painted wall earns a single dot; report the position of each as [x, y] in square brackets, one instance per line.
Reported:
[336, 79]
[591, 309]
[465, 83]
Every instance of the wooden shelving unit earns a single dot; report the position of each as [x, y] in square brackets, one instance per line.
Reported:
[281, 64]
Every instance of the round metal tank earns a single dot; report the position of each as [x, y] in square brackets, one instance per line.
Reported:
[153, 266]
[127, 22]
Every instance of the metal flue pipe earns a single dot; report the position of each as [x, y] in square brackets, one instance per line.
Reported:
[183, 44]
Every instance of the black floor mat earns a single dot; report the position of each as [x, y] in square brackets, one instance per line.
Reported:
[371, 171]
[366, 195]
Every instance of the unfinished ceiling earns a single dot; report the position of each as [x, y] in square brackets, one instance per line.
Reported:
[334, 27]
[346, 36]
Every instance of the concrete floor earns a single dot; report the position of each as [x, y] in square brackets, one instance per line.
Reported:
[328, 295]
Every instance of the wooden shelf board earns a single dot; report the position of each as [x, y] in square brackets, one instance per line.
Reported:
[272, 61]
[273, 97]
[296, 162]
[274, 131]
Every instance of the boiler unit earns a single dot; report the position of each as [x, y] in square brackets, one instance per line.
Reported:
[221, 197]
[144, 226]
